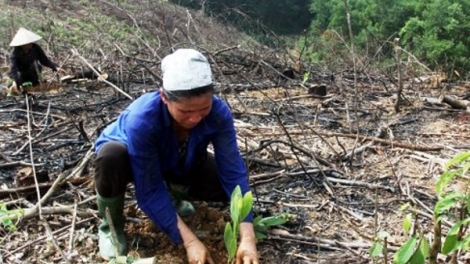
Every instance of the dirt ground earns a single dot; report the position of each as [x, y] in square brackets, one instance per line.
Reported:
[208, 223]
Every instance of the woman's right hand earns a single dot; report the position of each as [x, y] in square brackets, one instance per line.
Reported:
[13, 89]
[197, 252]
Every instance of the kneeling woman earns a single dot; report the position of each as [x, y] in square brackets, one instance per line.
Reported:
[160, 143]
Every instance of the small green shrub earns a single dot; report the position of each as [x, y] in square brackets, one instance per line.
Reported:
[7, 215]
[240, 207]
[452, 205]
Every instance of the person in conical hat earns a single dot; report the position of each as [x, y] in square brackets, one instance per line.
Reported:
[27, 59]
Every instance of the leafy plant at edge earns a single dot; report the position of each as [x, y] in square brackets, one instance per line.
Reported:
[452, 205]
[456, 240]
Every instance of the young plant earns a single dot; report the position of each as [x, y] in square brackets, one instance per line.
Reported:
[416, 249]
[6, 216]
[240, 207]
[454, 205]
[261, 225]
[379, 247]
[305, 77]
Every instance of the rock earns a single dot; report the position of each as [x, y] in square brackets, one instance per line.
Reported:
[144, 261]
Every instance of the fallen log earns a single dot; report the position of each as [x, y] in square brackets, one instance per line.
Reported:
[454, 102]
[43, 187]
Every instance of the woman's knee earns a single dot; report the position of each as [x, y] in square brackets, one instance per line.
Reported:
[112, 155]
[112, 169]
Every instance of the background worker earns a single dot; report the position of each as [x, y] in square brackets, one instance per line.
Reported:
[27, 59]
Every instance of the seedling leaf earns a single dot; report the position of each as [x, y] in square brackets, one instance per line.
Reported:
[273, 221]
[449, 244]
[451, 241]
[376, 249]
[424, 247]
[236, 196]
[417, 257]
[405, 252]
[447, 202]
[457, 159]
[246, 206]
[444, 180]
[230, 241]
[407, 222]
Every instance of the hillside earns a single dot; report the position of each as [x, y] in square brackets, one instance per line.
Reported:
[339, 164]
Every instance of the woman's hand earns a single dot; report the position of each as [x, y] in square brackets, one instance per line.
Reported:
[247, 253]
[61, 71]
[197, 253]
[13, 89]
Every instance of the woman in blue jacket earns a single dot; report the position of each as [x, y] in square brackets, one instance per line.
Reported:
[161, 141]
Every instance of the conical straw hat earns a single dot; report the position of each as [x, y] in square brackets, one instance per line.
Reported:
[23, 37]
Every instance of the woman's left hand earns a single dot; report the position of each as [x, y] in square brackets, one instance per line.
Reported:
[62, 71]
[247, 253]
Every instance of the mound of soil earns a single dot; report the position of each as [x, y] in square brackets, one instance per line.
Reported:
[207, 223]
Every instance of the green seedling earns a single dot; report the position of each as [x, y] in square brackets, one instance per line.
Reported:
[378, 248]
[305, 77]
[27, 84]
[451, 205]
[7, 215]
[240, 207]
[454, 205]
[416, 249]
[262, 225]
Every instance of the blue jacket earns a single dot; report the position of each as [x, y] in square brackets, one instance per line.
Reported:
[145, 128]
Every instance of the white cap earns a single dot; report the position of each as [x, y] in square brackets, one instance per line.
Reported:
[185, 69]
[23, 37]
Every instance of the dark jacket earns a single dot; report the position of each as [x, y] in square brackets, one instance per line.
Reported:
[25, 65]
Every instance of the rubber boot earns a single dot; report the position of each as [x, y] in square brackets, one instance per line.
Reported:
[108, 247]
[183, 207]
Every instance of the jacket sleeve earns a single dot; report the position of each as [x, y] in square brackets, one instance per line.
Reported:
[14, 68]
[152, 196]
[230, 165]
[43, 59]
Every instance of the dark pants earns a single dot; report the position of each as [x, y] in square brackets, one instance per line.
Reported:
[113, 173]
[31, 75]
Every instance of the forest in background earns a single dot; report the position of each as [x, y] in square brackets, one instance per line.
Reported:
[434, 32]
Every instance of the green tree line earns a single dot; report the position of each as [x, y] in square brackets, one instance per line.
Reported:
[436, 32]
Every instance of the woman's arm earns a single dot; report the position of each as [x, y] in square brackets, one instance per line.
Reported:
[196, 251]
[43, 59]
[247, 252]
